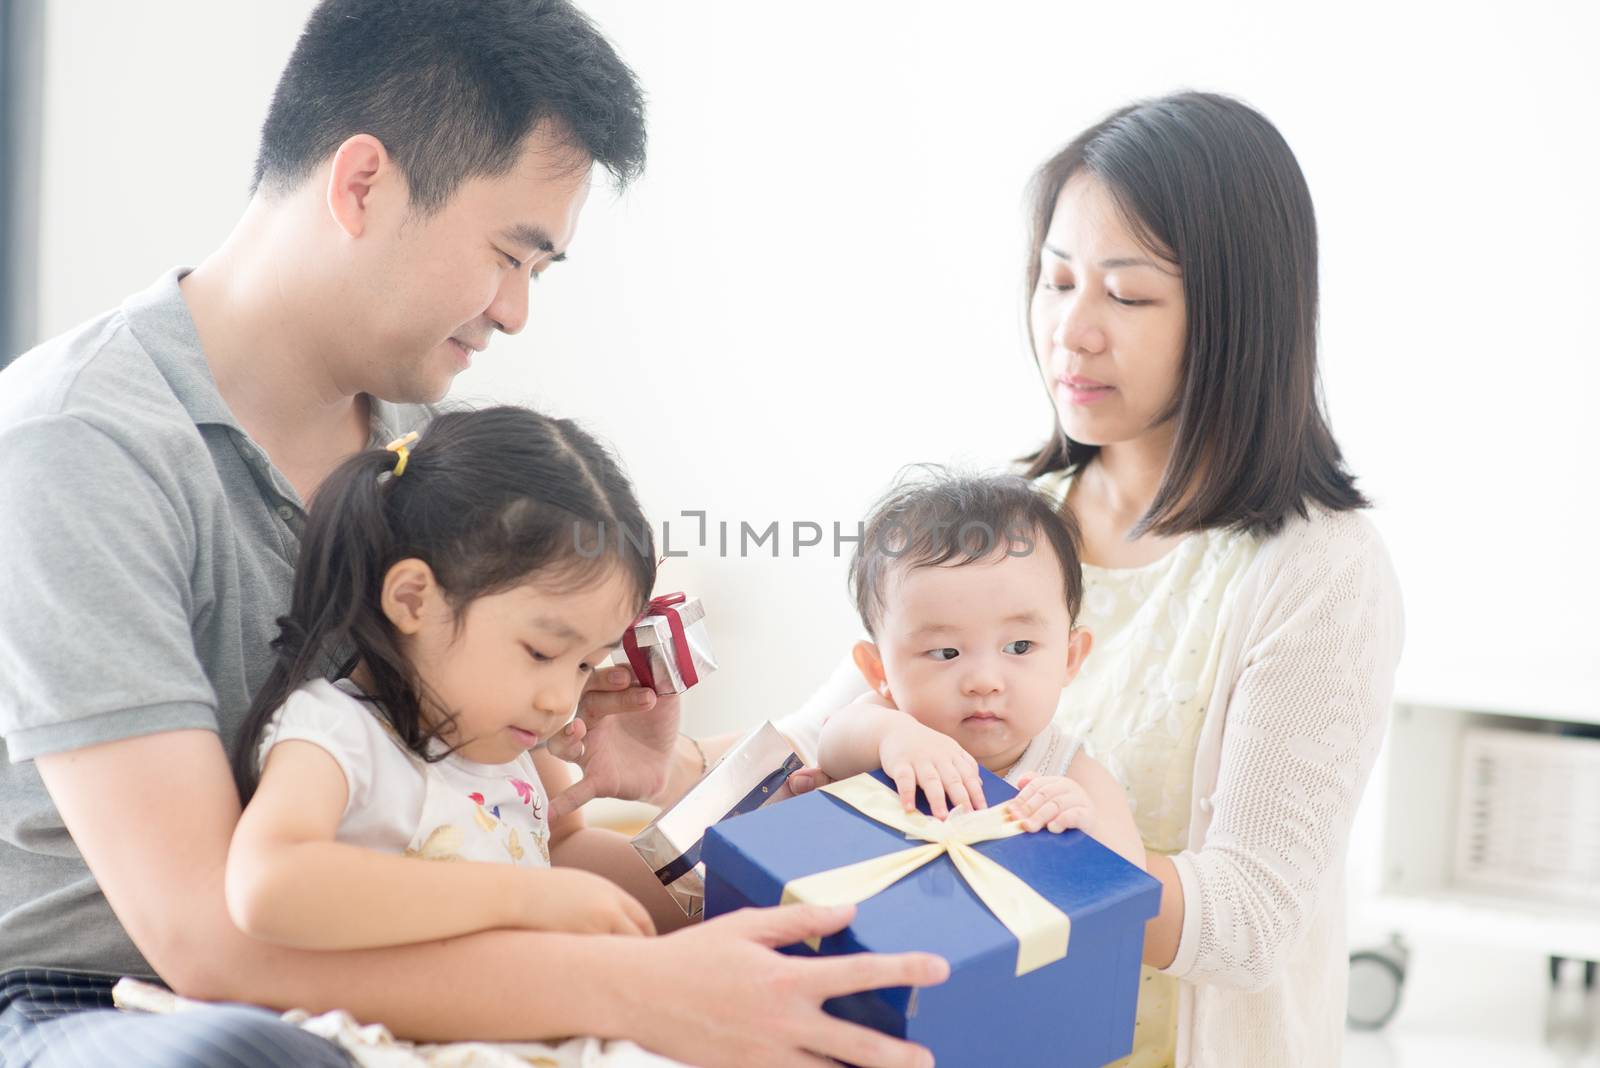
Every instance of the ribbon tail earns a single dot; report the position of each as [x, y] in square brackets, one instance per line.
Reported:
[1042, 930]
[854, 883]
[638, 659]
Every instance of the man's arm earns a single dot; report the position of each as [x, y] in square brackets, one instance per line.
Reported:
[153, 815]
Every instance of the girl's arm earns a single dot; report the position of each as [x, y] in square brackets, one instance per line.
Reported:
[290, 882]
[159, 852]
[603, 852]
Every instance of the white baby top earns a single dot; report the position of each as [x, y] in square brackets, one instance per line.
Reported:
[449, 809]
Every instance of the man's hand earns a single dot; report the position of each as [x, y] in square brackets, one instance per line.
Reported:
[718, 995]
[914, 755]
[623, 739]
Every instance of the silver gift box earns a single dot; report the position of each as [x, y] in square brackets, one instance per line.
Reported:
[746, 778]
[654, 635]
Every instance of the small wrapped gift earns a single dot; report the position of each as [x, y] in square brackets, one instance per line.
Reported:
[744, 779]
[1044, 932]
[667, 646]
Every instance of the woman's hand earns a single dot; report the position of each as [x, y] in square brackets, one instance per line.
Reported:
[1054, 803]
[914, 755]
[580, 902]
[623, 739]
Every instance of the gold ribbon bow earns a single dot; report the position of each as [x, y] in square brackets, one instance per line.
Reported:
[1041, 929]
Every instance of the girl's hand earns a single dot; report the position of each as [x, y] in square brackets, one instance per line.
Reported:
[914, 755]
[623, 739]
[802, 781]
[1052, 802]
[581, 902]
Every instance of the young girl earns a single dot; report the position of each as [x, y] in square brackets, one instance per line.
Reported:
[458, 591]
[969, 588]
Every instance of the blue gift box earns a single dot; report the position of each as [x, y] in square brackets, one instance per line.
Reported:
[1077, 1011]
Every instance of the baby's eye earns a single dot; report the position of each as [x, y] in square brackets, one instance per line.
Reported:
[1020, 646]
[946, 653]
[536, 654]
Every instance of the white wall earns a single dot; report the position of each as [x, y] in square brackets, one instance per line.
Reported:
[818, 279]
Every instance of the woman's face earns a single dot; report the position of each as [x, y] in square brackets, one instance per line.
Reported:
[1108, 320]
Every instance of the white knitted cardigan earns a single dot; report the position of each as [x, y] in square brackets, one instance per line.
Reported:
[1295, 721]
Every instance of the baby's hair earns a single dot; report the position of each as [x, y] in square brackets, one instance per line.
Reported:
[932, 517]
[487, 499]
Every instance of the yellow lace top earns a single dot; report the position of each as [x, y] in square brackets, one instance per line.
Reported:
[1140, 699]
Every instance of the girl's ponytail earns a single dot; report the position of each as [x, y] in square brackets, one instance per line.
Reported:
[486, 499]
[335, 605]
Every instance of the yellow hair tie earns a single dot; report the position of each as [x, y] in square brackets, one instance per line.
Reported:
[402, 446]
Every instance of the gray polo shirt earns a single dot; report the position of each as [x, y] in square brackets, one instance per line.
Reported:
[147, 546]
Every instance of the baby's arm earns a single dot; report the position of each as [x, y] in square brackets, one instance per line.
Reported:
[1086, 798]
[871, 734]
[289, 881]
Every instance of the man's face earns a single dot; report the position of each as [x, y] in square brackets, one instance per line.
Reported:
[437, 288]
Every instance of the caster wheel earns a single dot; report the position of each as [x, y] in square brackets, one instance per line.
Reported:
[1376, 978]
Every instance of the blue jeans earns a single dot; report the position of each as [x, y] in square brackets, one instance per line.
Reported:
[54, 1019]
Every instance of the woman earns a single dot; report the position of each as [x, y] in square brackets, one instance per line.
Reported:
[1247, 621]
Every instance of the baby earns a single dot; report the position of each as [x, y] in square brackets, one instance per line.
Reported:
[968, 587]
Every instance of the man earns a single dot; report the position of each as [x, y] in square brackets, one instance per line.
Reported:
[421, 165]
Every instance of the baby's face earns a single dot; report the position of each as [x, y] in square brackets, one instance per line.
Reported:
[979, 651]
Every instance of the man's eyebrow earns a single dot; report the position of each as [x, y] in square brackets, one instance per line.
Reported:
[1111, 264]
[534, 237]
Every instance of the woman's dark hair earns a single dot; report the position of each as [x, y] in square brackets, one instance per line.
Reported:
[451, 89]
[932, 517]
[1209, 184]
[487, 499]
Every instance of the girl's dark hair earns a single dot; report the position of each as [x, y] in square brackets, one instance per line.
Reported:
[487, 499]
[1208, 183]
[932, 517]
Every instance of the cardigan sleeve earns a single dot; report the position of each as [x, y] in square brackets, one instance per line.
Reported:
[1304, 721]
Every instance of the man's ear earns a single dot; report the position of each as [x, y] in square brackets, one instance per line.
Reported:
[870, 663]
[361, 168]
[409, 591]
[1079, 641]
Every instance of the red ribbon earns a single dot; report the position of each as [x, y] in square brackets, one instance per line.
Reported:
[639, 659]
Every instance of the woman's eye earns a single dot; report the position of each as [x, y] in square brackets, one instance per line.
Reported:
[536, 654]
[1020, 646]
[512, 262]
[1128, 303]
[946, 653]
[1056, 287]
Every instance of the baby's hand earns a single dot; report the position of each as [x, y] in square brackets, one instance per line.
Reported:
[1052, 802]
[914, 755]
